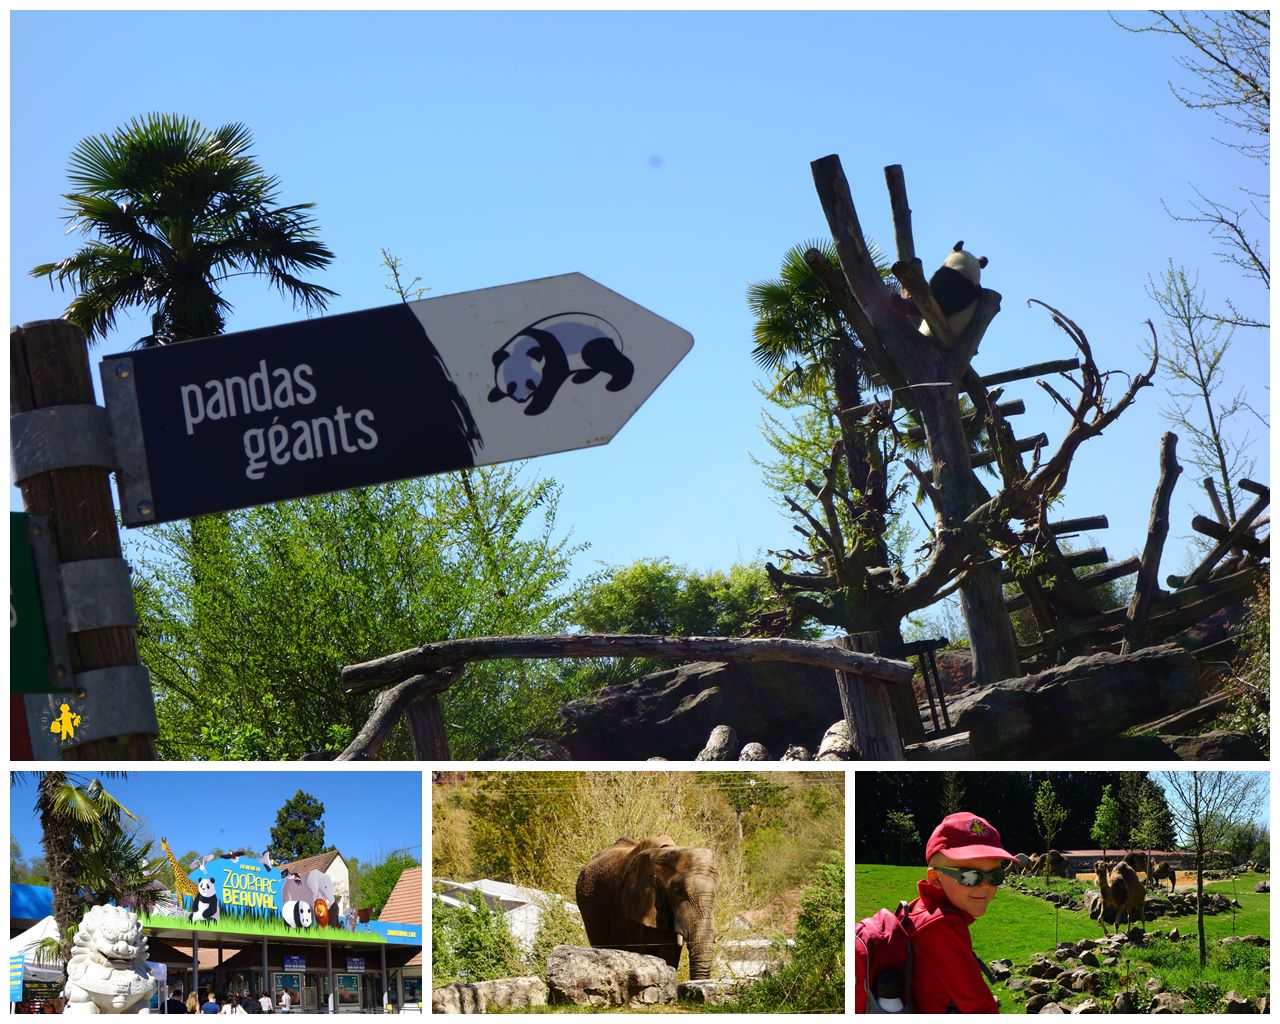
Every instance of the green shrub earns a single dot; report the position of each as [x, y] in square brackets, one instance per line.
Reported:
[1251, 709]
[556, 927]
[813, 980]
[471, 943]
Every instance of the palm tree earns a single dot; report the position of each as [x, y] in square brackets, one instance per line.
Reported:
[173, 210]
[74, 811]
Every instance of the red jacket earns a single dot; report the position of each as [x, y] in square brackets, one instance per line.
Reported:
[945, 975]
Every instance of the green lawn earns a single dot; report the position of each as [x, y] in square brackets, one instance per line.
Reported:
[1017, 926]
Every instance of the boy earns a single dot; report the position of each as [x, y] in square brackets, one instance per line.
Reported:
[965, 865]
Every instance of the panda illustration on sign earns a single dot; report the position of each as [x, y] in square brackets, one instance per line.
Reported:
[535, 363]
[206, 902]
[296, 914]
[956, 286]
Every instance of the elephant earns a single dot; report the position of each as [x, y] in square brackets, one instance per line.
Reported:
[652, 897]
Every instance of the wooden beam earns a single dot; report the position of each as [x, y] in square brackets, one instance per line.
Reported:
[1035, 370]
[1135, 628]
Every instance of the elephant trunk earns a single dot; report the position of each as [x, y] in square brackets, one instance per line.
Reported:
[700, 937]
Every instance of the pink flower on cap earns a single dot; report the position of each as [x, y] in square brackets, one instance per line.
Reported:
[965, 836]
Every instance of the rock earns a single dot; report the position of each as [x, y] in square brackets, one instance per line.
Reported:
[485, 996]
[1234, 1002]
[720, 745]
[712, 991]
[1167, 1002]
[1262, 887]
[755, 752]
[1252, 940]
[1175, 935]
[1055, 711]
[1216, 746]
[1038, 1002]
[1153, 986]
[1090, 959]
[1043, 969]
[608, 977]
[794, 753]
[1041, 986]
[1016, 984]
[671, 713]
[655, 759]
[836, 745]
[1123, 1003]
[1066, 949]
[1052, 1008]
[746, 958]
[1088, 1006]
[1109, 961]
[1000, 971]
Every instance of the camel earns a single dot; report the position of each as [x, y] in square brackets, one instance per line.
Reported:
[1057, 864]
[1137, 860]
[1164, 870]
[1120, 888]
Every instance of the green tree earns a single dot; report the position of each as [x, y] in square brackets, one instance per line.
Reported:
[377, 881]
[1106, 822]
[1205, 807]
[471, 943]
[172, 210]
[74, 811]
[901, 830]
[266, 619]
[1050, 816]
[299, 829]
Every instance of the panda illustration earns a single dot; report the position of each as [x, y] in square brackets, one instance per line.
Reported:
[533, 365]
[206, 908]
[296, 914]
[955, 286]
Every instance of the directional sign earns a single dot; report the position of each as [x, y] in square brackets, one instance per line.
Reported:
[384, 394]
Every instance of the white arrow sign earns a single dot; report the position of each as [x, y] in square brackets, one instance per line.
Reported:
[385, 394]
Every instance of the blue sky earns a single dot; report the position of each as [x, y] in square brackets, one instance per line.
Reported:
[366, 814]
[666, 155]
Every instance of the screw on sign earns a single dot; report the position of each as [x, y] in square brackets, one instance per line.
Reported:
[384, 394]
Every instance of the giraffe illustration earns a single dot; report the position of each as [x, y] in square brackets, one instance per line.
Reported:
[182, 885]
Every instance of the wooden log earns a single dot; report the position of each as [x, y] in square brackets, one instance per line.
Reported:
[955, 747]
[1015, 408]
[1238, 529]
[1026, 444]
[399, 700]
[1087, 579]
[1256, 489]
[1071, 559]
[1035, 370]
[1081, 525]
[1244, 543]
[1211, 489]
[1135, 627]
[49, 366]
[393, 668]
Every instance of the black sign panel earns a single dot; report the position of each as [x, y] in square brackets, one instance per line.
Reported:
[260, 416]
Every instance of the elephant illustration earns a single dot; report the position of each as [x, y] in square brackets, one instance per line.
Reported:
[651, 896]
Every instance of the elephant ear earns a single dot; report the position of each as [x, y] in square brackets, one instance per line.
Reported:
[642, 899]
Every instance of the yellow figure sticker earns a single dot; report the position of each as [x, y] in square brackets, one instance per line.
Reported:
[65, 724]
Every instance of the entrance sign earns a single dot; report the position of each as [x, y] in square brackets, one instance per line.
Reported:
[385, 394]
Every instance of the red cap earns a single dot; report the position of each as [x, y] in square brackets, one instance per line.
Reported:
[965, 836]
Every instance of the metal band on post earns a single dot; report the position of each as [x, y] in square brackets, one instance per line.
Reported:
[117, 701]
[97, 594]
[59, 437]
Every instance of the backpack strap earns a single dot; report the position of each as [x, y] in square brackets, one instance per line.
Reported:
[908, 1002]
[990, 974]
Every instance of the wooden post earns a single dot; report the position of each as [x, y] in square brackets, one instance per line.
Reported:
[49, 366]
[875, 726]
[1135, 626]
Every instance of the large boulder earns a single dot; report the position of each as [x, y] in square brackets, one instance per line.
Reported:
[1089, 698]
[712, 991]
[609, 977]
[484, 996]
[671, 713]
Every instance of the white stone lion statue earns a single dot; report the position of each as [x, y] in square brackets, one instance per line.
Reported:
[108, 971]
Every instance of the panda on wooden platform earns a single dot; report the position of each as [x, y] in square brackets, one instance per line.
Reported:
[955, 286]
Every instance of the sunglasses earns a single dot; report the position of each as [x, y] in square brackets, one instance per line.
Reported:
[970, 877]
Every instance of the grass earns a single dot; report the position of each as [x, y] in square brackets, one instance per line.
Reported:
[1018, 926]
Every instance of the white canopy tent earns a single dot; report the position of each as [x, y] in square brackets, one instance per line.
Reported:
[22, 949]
